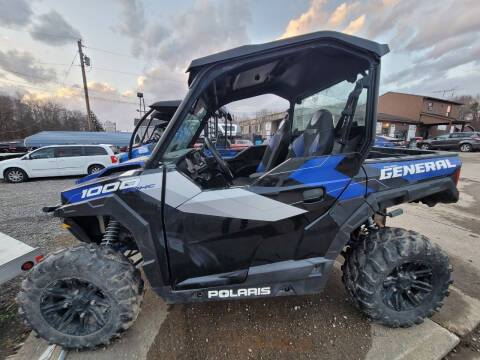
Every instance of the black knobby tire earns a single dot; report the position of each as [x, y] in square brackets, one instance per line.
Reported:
[396, 276]
[93, 169]
[15, 175]
[56, 297]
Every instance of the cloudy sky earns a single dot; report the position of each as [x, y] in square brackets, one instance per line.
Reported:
[146, 45]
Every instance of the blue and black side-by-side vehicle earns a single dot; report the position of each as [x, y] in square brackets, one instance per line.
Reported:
[269, 222]
[151, 126]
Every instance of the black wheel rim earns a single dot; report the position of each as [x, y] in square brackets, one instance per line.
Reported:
[408, 286]
[75, 307]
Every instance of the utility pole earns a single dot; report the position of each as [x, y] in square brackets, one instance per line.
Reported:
[85, 87]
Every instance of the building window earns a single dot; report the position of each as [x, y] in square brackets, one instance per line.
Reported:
[449, 109]
[430, 106]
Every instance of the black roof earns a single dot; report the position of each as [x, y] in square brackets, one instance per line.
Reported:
[368, 45]
[161, 105]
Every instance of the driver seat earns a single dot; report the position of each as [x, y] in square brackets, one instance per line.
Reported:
[277, 148]
[275, 153]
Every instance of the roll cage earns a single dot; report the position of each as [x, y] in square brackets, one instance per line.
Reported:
[282, 68]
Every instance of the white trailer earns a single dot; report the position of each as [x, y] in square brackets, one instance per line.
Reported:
[16, 257]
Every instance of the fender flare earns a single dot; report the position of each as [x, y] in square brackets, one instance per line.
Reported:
[154, 259]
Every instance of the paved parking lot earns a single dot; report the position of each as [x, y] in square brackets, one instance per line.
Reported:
[325, 326]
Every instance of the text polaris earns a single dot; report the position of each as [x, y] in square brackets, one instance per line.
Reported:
[394, 171]
[229, 293]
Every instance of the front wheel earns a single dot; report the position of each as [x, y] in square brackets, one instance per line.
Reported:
[465, 148]
[81, 297]
[396, 276]
[15, 175]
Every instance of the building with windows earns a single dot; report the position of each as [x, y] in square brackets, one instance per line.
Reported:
[110, 126]
[405, 116]
[265, 125]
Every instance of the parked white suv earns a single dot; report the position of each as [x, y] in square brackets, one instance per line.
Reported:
[58, 160]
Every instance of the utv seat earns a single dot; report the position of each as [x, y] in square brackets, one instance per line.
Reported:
[275, 153]
[277, 148]
[317, 138]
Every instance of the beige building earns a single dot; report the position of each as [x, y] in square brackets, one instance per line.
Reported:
[265, 125]
[406, 115]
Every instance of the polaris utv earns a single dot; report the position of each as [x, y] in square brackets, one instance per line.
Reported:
[145, 136]
[270, 222]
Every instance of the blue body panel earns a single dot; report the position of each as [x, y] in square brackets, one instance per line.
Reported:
[322, 171]
[383, 142]
[143, 150]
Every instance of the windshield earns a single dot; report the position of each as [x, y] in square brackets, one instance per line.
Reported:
[188, 128]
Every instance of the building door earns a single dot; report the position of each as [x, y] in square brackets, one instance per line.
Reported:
[391, 133]
[412, 130]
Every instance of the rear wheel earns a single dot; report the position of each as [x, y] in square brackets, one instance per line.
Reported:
[81, 297]
[425, 147]
[465, 148]
[15, 175]
[396, 276]
[93, 169]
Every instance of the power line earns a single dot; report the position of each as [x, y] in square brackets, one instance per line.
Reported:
[69, 68]
[73, 95]
[110, 52]
[46, 80]
[136, 74]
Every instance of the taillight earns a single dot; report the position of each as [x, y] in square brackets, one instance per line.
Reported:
[476, 138]
[114, 159]
[458, 177]
[39, 258]
[27, 266]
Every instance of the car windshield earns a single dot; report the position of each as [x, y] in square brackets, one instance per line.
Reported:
[187, 130]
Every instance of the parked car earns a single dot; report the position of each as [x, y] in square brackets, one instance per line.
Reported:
[463, 141]
[58, 160]
[13, 146]
[241, 144]
[385, 141]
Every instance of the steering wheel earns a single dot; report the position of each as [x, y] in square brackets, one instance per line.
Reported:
[216, 155]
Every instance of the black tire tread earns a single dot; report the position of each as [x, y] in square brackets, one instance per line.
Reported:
[111, 269]
[368, 261]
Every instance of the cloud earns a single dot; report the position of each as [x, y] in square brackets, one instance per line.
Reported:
[206, 27]
[355, 25]
[339, 16]
[15, 14]
[315, 16]
[433, 69]
[456, 43]
[161, 83]
[459, 17]
[318, 18]
[23, 65]
[52, 29]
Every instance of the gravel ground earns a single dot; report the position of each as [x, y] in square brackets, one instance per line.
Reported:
[292, 327]
[21, 217]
